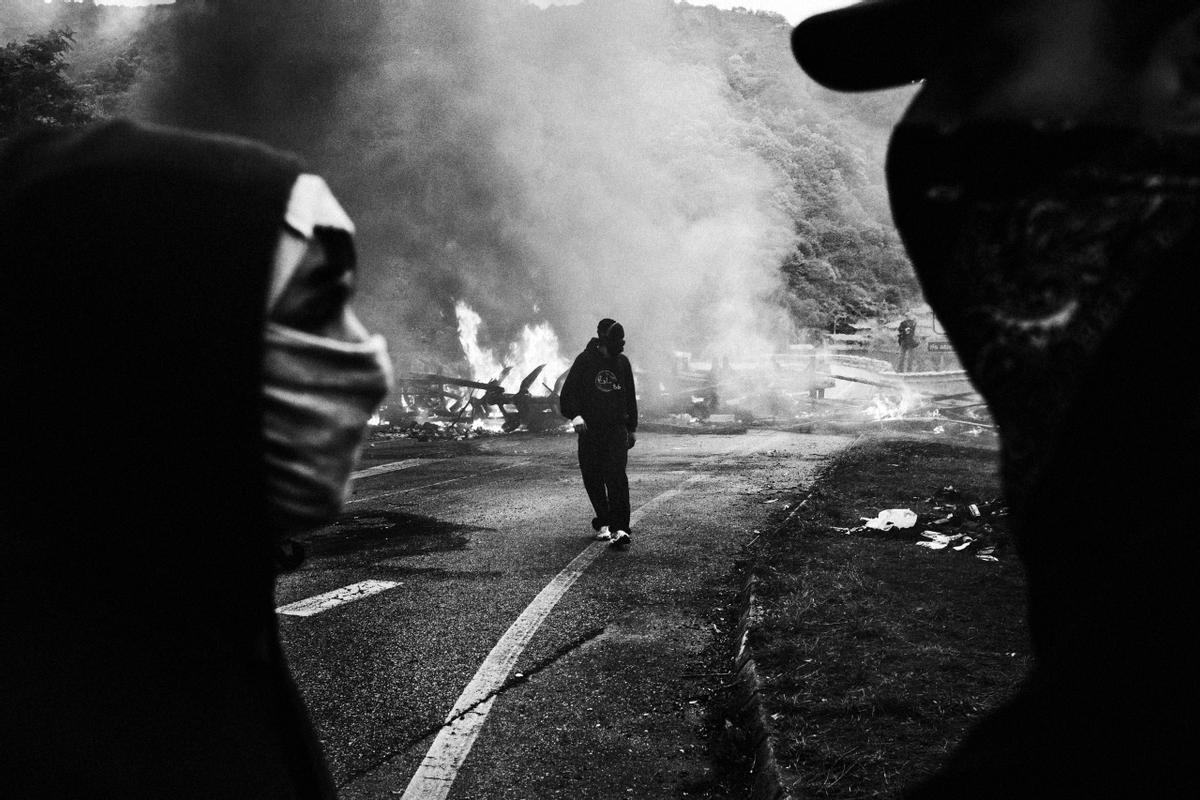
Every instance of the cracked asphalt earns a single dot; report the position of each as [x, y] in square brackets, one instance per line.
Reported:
[613, 696]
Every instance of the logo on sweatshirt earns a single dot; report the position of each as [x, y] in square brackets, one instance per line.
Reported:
[606, 381]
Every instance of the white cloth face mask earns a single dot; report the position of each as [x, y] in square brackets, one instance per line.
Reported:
[318, 394]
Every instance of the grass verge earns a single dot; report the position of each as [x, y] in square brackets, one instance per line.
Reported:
[877, 654]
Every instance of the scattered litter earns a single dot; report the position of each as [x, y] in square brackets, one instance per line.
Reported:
[892, 518]
[938, 541]
[943, 521]
[940, 429]
[772, 500]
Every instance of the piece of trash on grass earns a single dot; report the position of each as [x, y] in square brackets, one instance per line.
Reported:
[772, 500]
[892, 518]
[986, 554]
[943, 520]
[974, 509]
[966, 542]
[938, 541]
[940, 429]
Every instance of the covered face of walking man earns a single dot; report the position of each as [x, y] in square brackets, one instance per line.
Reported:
[1046, 182]
[599, 397]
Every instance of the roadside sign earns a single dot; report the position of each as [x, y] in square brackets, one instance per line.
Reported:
[941, 347]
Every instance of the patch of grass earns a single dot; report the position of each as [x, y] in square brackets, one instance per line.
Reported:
[876, 654]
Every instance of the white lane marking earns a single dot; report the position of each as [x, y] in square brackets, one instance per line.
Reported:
[391, 492]
[449, 750]
[385, 468]
[328, 600]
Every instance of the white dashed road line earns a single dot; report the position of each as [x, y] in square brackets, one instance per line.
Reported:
[338, 597]
[440, 766]
[392, 492]
[385, 468]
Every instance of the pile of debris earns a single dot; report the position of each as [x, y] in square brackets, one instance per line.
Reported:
[431, 431]
[951, 522]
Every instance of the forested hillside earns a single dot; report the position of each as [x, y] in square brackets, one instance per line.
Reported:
[668, 159]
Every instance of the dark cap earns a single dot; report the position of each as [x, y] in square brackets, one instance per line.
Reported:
[603, 325]
[871, 45]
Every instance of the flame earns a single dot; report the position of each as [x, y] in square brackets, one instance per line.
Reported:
[484, 365]
[892, 407]
[538, 345]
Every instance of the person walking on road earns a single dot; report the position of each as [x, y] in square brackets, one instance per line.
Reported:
[186, 386]
[598, 396]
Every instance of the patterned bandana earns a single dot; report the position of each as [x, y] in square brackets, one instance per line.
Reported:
[1032, 244]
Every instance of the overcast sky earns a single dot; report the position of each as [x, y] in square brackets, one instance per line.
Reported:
[794, 10]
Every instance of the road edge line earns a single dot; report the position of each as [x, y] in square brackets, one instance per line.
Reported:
[435, 776]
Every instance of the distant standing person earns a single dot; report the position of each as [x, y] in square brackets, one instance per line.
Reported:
[598, 396]
[907, 338]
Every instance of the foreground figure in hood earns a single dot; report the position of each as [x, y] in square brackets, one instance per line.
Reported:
[1046, 182]
[185, 386]
[598, 396]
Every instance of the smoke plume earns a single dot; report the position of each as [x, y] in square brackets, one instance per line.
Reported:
[560, 164]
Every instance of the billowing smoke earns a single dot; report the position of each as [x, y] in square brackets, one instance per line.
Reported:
[561, 164]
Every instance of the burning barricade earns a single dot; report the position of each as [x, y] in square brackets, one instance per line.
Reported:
[802, 388]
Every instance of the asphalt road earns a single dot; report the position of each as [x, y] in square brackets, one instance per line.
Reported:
[609, 698]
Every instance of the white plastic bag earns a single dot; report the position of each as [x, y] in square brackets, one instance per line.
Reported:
[892, 518]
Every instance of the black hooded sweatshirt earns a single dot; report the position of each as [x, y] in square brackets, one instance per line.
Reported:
[136, 586]
[600, 389]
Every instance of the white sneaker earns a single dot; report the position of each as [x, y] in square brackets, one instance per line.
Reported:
[620, 539]
[603, 534]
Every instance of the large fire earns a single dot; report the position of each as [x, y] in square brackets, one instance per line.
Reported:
[538, 345]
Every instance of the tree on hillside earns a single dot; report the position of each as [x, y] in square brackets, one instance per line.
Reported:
[34, 89]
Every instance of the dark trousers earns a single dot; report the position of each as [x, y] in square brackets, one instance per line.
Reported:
[603, 454]
[904, 364]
